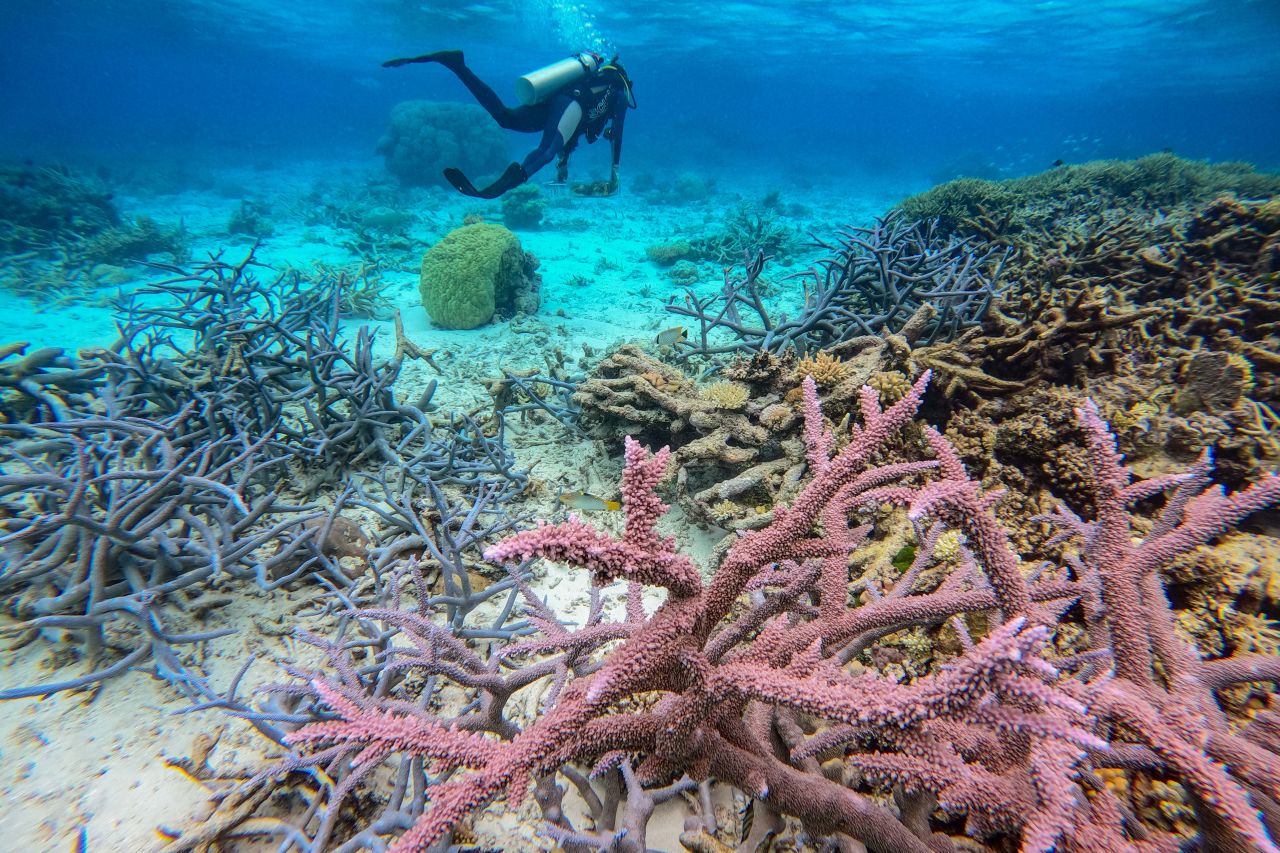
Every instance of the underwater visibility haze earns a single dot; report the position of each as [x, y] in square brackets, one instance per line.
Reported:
[566, 426]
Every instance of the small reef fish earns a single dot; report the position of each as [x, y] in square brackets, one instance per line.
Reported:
[671, 337]
[584, 501]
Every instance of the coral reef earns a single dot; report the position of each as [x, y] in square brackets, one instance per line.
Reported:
[1170, 323]
[683, 274]
[64, 240]
[425, 137]
[141, 472]
[44, 384]
[985, 636]
[889, 278]
[750, 451]
[250, 218]
[475, 272]
[364, 294]
[523, 207]
[667, 254]
[1226, 598]
[431, 549]
[729, 443]
[684, 189]
[749, 229]
[43, 208]
[387, 220]
[1035, 202]
[824, 368]
[765, 679]
[113, 520]
[726, 395]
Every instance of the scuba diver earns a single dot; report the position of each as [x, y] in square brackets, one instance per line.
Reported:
[566, 100]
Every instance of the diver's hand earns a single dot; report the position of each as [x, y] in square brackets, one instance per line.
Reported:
[613, 180]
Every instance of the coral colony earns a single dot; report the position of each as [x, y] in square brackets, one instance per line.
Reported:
[1015, 629]
[874, 281]
[744, 680]
[163, 478]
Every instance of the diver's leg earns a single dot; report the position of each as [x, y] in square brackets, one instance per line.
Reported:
[487, 98]
[525, 119]
[554, 140]
[556, 136]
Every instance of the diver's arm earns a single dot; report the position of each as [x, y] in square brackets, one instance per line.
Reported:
[615, 139]
[615, 134]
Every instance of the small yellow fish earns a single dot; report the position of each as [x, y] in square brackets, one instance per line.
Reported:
[584, 501]
[671, 337]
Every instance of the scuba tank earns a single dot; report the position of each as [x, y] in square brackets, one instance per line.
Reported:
[536, 85]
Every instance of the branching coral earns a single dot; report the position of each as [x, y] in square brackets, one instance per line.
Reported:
[112, 517]
[43, 208]
[749, 230]
[874, 281]
[750, 684]
[43, 384]
[154, 466]
[1036, 201]
[1166, 317]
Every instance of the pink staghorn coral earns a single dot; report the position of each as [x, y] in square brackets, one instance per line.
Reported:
[641, 555]
[1163, 693]
[745, 680]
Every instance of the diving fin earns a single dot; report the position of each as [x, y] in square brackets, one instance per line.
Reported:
[448, 58]
[513, 177]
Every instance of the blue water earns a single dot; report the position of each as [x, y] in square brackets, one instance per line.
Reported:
[837, 91]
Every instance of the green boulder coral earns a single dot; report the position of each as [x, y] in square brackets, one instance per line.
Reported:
[477, 271]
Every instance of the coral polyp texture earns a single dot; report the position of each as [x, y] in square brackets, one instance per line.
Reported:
[762, 679]
[475, 272]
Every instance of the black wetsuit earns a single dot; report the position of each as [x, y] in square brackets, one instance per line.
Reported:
[602, 98]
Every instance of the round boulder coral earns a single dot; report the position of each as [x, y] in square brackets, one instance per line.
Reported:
[425, 137]
[475, 272]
